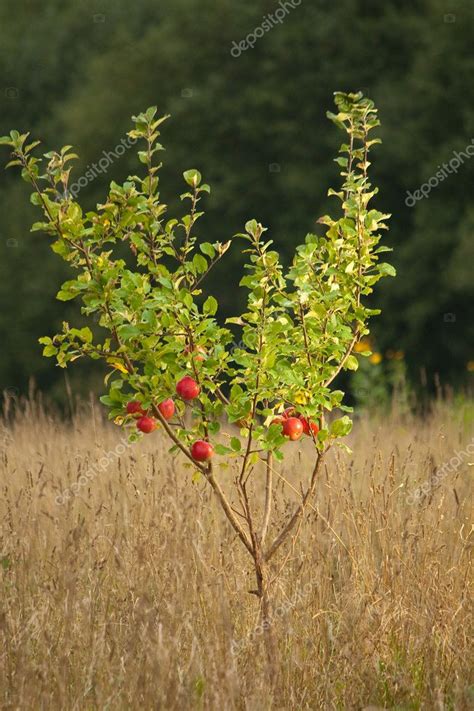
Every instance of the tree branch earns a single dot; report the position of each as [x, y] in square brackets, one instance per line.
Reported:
[207, 471]
[343, 361]
[282, 536]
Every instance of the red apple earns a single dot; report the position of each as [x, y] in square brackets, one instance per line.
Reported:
[167, 408]
[135, 408]
[202, 451]
[146, 424]
[293, 428]
[305, 424]
[187, 388]
[309, 426]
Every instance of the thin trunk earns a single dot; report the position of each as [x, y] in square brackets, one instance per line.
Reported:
[266, 621]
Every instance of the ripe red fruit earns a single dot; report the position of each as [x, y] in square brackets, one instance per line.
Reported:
[146, 424]
[202, 451]
[309, 426]
[278, 420]
[135, 408]
[293, 428]
[187, 388]
[167, 408]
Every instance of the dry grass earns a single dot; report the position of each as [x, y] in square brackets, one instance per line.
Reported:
[130, 595]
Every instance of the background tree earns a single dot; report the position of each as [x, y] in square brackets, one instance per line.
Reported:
[72, 72]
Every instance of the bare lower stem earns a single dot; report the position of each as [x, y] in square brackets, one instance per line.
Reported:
[266, 621]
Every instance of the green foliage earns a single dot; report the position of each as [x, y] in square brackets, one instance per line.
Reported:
[140, 274]
[255, 128]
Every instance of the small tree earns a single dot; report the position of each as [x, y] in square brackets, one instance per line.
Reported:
[141, 274]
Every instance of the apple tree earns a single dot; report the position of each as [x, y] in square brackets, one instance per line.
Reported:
[140, 272]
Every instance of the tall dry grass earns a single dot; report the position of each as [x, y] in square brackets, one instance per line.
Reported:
[134, 593]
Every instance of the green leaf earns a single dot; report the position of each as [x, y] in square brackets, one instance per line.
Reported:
[85, 334]
[335, 120]
[199, 263]
[236, 392]
[387, 269]
[207, 249]
[210, 306]
[214, 427]
[127, 331]
[222, 449]
[192, 177]
[341, 427]
[150, 113]
[64, 295]
[251, 227]
[165, 282]
[49, 351]
[351, 363]
[236, 444]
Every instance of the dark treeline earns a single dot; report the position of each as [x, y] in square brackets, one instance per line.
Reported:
[252, 120]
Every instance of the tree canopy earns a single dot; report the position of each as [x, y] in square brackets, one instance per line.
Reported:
[255, 126]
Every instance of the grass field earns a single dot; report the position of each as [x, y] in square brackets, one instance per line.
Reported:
[133, 593]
